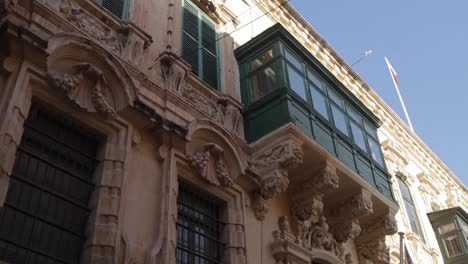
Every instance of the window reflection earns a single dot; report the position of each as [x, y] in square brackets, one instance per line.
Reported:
[296, 83]
[340, 119]
[446, 228]
[319, 102]
[262, 83]
[358, 136]
[261, 59]
[375, 151]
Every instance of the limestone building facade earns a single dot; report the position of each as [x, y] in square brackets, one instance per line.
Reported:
[202, 131]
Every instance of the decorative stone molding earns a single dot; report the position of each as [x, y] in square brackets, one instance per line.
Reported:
[6, 7]
[271, 169]
[125, 39]
[217, 11]
[85, 84]
[209, 163]
[453, 196]
[216, 107]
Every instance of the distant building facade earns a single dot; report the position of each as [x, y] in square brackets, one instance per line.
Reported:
[203, 131]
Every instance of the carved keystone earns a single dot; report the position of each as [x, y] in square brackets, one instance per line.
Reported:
[209, 163]
[84, 84]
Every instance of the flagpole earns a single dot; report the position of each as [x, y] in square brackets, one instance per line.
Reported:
[399, 95]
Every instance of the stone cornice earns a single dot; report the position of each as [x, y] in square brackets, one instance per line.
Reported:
[311, 39]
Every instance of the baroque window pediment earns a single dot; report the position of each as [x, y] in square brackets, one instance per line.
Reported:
[88, 75]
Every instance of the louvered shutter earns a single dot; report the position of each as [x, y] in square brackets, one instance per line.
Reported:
[199, 44]
[116, 7]
[210, 64]
[190, 45]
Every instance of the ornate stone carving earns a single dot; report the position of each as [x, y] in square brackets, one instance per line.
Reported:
[173, 75]
[371, 244]
[6, 7]
[84, 84]
[209, 163]
[120, 41]
[453, 196]
[373, 251]
[287, 154]
[346, 216]
[285, 250]
[260, 206]
[211, 109]
[232, 117]
[271, 168]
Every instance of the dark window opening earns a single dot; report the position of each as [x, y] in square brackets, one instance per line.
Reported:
[46, 208]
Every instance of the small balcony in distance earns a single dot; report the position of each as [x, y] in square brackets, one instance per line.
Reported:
[283, 83]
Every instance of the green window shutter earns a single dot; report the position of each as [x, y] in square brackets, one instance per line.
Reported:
[199, 44]
[116, 7]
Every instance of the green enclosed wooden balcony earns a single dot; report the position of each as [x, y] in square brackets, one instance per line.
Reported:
[281, 82]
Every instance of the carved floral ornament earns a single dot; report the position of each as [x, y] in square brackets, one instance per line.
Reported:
[209, 163]
[85, 84]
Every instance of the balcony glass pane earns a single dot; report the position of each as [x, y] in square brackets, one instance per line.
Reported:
[319, 102]
[353, 114]
[262, 83]
[371, 130]
[453, 246]
[315, 79]
[375, 151]
[335, 97]
[339, 119]
[358, 136]
[446, 228]
[296, 83]
[292, 59]
[262, 59]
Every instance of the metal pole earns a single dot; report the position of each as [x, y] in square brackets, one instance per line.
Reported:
[367, 53]
[399, 96]
[402, 247]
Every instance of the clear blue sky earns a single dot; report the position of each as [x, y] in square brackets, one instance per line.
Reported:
[427, 44]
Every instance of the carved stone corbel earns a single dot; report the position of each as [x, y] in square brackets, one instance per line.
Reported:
[173, 74]
[84, 84]
[371, 244]
[209, 163]
[345, 218]
[309, 224]
[284, 248]
[271, 169]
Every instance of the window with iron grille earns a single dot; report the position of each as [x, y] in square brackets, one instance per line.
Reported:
[116, 7]
[46, 208]
[198, 227]
[199, 44]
